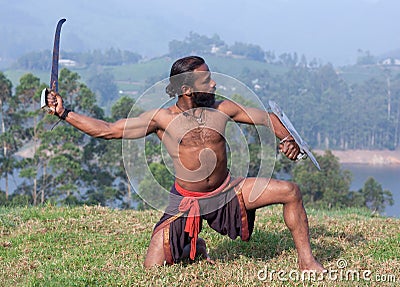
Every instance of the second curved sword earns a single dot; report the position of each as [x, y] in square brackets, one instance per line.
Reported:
[304, 148]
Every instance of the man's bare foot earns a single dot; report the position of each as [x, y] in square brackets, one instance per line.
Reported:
[209, 260]
[201, 250]
[311, 265]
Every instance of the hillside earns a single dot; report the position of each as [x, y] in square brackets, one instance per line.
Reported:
[134, 77]
[96, 246]
[320, 100]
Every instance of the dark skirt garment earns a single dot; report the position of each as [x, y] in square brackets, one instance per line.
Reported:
[225, 213]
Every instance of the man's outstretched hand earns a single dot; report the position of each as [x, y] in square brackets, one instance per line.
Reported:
[55, 103]
[289, 148]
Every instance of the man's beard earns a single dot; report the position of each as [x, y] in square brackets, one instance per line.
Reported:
[201, 99]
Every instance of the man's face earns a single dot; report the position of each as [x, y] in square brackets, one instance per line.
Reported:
[203, 94]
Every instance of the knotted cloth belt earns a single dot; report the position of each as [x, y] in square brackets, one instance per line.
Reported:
[190, 204]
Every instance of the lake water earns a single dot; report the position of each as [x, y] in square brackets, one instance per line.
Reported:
[387, 175]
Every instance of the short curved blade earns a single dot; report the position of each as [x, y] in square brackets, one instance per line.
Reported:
[56, 54]
[304, 148]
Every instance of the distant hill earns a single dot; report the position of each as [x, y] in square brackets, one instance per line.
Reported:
[135, 78]
[135, 75]
[147, 27]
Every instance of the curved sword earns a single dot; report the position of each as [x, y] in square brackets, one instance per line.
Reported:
[54, 66]
[304, 148]
[56, 54]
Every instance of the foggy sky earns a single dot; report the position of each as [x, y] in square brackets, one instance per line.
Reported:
[330, 30]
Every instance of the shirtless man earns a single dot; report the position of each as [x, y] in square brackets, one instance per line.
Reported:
[192, 130]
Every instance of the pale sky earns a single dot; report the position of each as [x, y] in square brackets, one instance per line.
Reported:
[330, 30]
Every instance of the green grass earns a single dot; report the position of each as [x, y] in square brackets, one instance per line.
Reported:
[96, 246]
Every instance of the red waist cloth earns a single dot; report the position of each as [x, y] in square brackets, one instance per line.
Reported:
[190, 203]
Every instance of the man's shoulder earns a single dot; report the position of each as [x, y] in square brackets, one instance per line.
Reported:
[222, 104]
[227, 106]
[164, 115]
[160, 111]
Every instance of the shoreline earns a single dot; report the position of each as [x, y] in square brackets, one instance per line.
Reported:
[366, 157]
[353, 156]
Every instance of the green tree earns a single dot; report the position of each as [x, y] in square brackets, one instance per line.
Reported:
[123, 108]
[327, 188]
[195, 43]
[249, 142]
[107, 179]
[69, 86]
[249, 51]
[57, 161]
[28, 95]
[375, 198]
[8, 141]
[34, 61]
[103, 85]
[365, 58]
[154, 186]
[64, 145]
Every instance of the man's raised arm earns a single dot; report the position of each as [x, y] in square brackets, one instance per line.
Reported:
[254, 116]
[132, 128]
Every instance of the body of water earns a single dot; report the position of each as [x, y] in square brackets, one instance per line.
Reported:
[387, 175]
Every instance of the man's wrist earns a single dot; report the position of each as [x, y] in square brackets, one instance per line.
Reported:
[64, 114]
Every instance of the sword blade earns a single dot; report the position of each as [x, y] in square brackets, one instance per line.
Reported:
[56, 53]
[312, 157]
[304, 148]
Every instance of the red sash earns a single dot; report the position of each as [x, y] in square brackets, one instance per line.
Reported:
[190, 203]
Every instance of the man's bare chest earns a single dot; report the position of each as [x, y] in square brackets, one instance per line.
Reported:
[202, 136]
[185, 130]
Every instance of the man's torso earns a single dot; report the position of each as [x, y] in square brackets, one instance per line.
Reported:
[195, 140]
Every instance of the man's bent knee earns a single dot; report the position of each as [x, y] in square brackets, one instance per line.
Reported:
[293, 191]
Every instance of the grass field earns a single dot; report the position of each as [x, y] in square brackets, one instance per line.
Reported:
[96, 246]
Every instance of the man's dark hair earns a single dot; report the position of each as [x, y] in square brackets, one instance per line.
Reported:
[182, 67]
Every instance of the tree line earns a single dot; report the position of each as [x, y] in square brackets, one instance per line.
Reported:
[65, 166]
[192, 44]
[330, 187]
[41, 60]
[332, 113]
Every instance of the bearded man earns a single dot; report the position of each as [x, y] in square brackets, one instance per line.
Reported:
[192, 131]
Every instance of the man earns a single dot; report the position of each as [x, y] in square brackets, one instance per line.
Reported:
[192, 130]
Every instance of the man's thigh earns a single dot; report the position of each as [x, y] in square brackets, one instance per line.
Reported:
[259, 192]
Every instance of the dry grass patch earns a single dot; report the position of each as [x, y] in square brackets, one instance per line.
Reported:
[96, 246]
